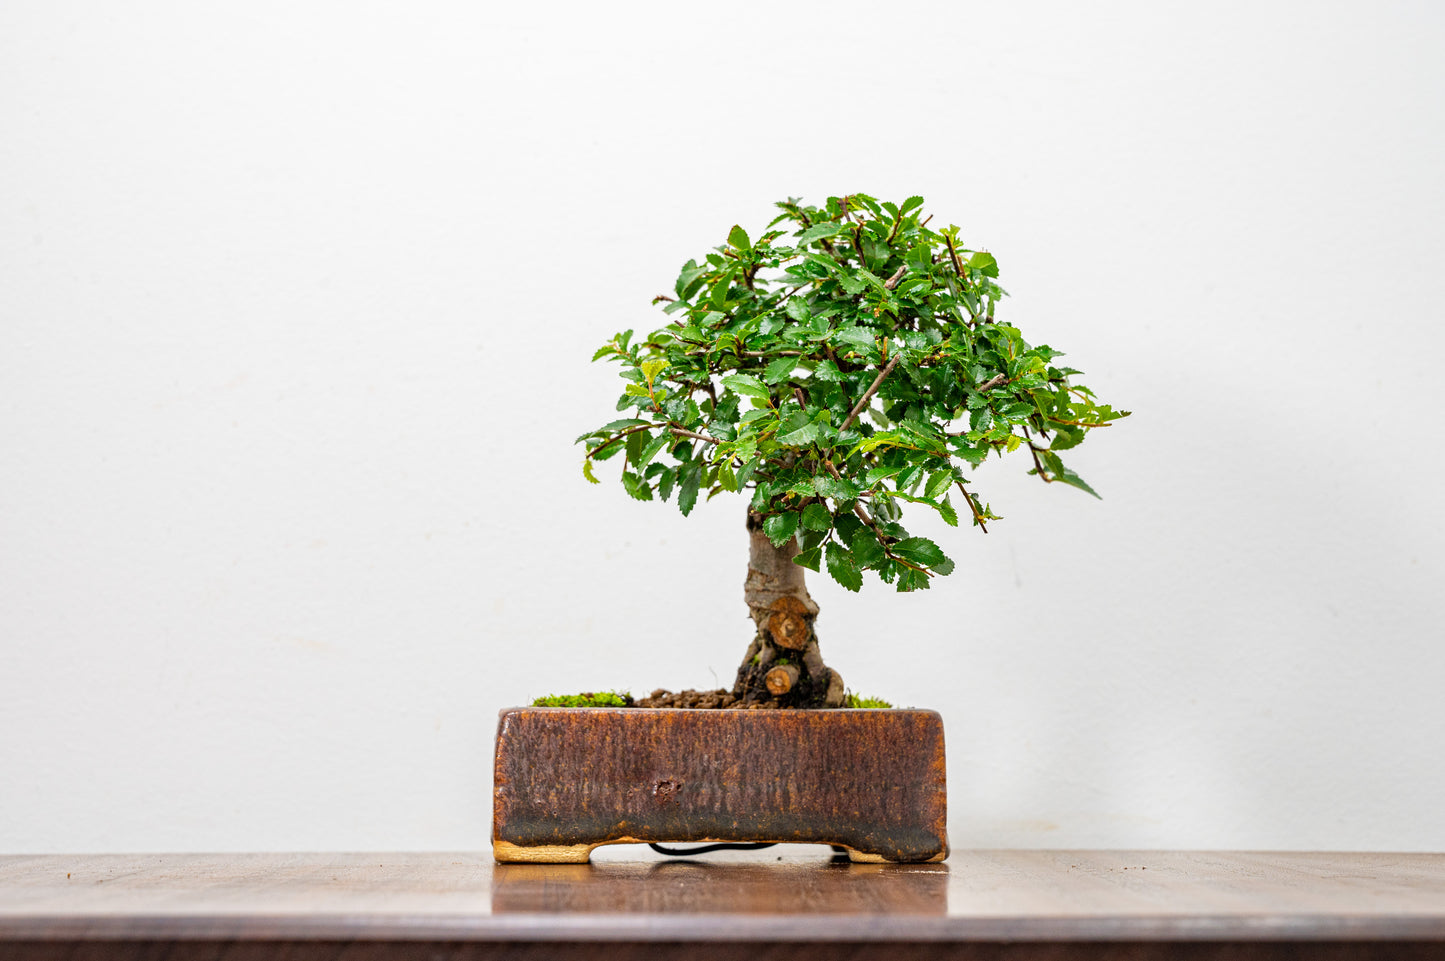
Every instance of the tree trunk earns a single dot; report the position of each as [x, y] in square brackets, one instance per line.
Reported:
[783, 663]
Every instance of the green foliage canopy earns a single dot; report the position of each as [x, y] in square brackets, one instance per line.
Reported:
[843, 363]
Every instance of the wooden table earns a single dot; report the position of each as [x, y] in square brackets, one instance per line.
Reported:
[631, 904]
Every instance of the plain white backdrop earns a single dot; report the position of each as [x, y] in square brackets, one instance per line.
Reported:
[296, 306]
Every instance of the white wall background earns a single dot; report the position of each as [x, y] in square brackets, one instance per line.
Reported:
[296, 304]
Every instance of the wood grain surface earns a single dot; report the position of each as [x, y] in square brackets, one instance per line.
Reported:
[979, 904]
[569, 779]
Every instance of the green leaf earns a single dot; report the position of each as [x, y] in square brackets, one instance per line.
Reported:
[818, 232]
[653, 449]
[982, 261]
[747, 384]
[910, 203]
[802, 437]
[780, 369]
[843, 567]
[634, 443]
[938, 483]
[946, 511]
[980, 419]
[651, 368]
[817, 517]
[1074, 480]
[797, 309]
[867, 552]
[636, 486]
[617, 425]
[727, 478]
[587, 471]
[780, 527]
[687, 490]
[809, 558]
[839, 490]
[861, 337]
[720, 289]
[924, 553]
[738, 237]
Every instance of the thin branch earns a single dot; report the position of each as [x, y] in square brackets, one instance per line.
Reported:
[891, 282]
[973, 506]
[630, 430]
[997, 380]
[684, 432]
[868, 394]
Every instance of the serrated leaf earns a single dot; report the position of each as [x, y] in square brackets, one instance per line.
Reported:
[839, 490]
[587, 471]
[875, 474]
[861, 337]
[980, 419]
[867, 552]
[636, 486]
[746, 384]
[720, 287]
[809, 558]
[843, 567]
[924, 553]
[651, 368]
[827, 372]
[726, 478]
[797, 309]
[687, 490]
[1064, 475]
[946, 511]
[818, 232]
[910, 203]
[738, 237]
[617, 425]
[653, 449]
[635, 442]
[938, 484]
[780, 369]
[982, 261]
[802, 437]
[817, 517]
[780, 527]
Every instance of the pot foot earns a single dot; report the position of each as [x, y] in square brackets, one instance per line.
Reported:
[508, 853]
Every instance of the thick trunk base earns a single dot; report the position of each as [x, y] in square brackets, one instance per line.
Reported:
[782, 664]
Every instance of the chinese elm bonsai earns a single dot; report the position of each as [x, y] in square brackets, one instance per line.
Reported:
[838, 366]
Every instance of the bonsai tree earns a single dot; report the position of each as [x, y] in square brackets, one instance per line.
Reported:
[838, 367]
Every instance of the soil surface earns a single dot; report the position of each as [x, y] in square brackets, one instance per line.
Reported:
[722, 699]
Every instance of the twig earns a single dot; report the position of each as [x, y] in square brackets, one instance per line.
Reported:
[973, 506]
[997, 380]
[868, 394]
[892, 282]
[630, 430]
[684, 432]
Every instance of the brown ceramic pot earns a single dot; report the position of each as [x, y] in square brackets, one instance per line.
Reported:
[571, 779]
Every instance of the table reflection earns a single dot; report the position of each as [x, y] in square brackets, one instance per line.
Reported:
[697, 886]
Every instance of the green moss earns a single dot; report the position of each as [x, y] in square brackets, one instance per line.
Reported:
[603, 699]
[855, 701]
